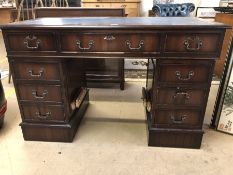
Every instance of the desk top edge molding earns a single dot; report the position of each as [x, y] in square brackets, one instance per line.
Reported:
[116, 22]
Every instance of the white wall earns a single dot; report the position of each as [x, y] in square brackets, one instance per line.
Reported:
[145, 6]
[209, 3]
[195, 2]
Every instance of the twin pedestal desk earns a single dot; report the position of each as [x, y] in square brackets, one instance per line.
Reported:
[46, 57]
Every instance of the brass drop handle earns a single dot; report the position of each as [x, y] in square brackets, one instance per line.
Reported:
[197, 42]
[123, 5]
[183, 78]
[90, 44]
[187, 96]
[40, 74]
[33, 39]
[36, 96]
[140, 45]
[178, 121]
[43, 116]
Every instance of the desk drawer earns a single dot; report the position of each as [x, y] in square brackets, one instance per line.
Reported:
[36, 71]
[177, 118]
[43, 112]
[40, 93]
[112, 42]
[132, 12]
[32, 42]
[124, 5]
[184, 73]
[96, 4]
[195, 44]
[181, 96]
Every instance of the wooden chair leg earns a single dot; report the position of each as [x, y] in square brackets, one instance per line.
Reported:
[9, 78]
[122, 74]
[122, 85]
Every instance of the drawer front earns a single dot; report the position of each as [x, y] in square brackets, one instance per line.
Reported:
[132, 12]
[177, 118]
[44, 113]
[124, 5]
[36, 71]
[32, 42]
[180, 96]
[47, 93]
[96, 5]
[177, 73]
[197, 43]
[101, 42]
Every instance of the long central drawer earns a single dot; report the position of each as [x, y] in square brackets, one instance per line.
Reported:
[110, 42]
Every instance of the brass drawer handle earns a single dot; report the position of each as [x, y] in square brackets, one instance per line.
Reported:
[90, 44]
[140, 45]
[187, 96]
[178, 121]
[40, 74]
[43, 116]
[195, 41]
[109, 37]
[30, 39]
[36, 96]
[188, 77]
[123, 5]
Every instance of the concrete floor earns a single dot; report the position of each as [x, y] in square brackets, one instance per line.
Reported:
[111, 140]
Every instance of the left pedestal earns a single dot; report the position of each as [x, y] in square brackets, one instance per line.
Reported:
[52, 97]
[55, 132]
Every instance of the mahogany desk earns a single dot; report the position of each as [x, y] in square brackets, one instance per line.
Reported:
[46, 58]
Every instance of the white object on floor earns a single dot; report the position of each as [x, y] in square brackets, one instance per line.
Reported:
[4, 74]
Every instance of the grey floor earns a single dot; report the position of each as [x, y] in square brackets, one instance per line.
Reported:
[111, 140]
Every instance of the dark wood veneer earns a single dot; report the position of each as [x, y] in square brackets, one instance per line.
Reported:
[181, 57]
